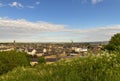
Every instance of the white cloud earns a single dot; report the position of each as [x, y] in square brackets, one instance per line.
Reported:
[37, 3]
[20, 5]
[96, 1]
[16, 4]
[10, 29]
[23, 30]
[95, 34]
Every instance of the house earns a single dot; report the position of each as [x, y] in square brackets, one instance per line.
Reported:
[74, 51]
[31, 52]
[45, 51]
[33, 60]
[77, 50]
[6, 49]
[39, 52]
[84, 51]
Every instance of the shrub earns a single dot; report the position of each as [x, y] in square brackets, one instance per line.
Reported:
[12, 59]
[41, 60]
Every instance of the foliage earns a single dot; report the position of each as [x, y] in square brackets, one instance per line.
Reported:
[114, 43]
[91, 68]
[41, 60]
[12, 59]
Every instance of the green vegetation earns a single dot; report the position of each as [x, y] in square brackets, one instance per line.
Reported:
[12, 59]
[114, 43]
[41, 60]
[91, 68]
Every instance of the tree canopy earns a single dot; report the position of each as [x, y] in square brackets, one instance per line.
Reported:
[114, 43]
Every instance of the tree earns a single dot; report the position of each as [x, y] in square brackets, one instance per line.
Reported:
[114, 43]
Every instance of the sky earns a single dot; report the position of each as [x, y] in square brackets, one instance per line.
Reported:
[59, 20]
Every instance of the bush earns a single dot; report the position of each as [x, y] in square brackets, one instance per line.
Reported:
[12, 59]
[41, 60]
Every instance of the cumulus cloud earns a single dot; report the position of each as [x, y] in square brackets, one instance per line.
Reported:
[16, 4]
[24, 30]
[10, 28]
[96, 1]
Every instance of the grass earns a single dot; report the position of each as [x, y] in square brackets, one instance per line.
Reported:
[92, 68]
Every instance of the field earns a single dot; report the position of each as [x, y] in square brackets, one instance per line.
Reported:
[105, 67]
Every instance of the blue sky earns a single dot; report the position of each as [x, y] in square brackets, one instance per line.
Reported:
[59, 20]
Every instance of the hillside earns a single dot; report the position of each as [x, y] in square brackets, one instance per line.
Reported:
[91, 68]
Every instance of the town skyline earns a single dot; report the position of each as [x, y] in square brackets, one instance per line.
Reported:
[59, 20]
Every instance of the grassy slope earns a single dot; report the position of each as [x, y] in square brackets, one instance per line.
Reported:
[103, 68]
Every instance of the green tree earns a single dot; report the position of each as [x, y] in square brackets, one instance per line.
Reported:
[114, 43]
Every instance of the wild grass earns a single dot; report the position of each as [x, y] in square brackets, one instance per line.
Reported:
[91, 68]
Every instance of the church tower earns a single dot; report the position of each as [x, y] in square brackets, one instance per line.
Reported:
[14, 44]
